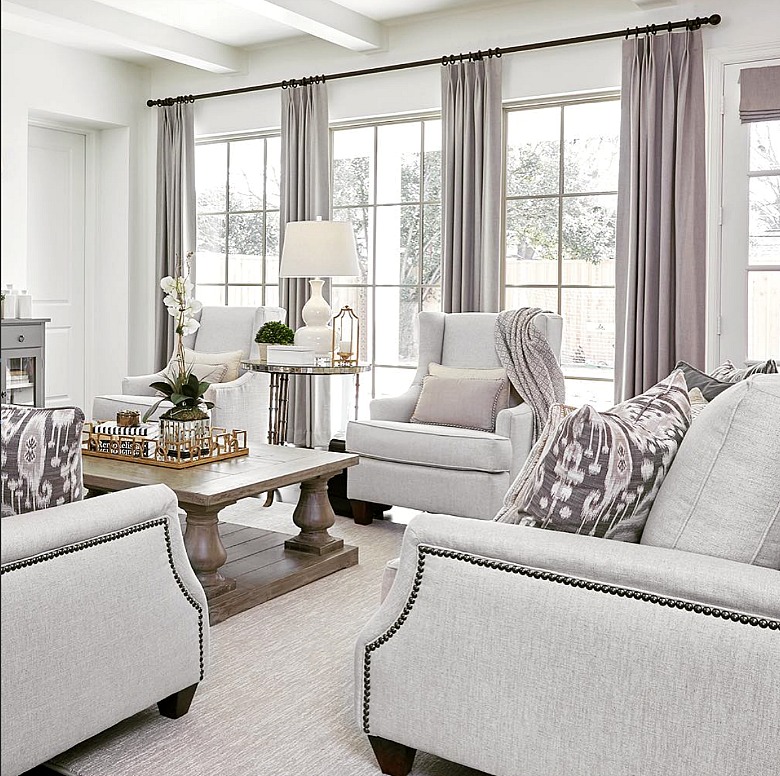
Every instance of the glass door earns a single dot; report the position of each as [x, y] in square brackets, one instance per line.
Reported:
[20, 379]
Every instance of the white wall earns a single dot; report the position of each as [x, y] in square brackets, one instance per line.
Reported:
[105, 98]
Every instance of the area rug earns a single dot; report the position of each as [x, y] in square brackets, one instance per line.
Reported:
[278, 697]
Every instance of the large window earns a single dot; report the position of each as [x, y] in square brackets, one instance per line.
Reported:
[237, 185]
[386, 181]
[561, 202]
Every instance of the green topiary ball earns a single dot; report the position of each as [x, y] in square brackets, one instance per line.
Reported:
[275, 333]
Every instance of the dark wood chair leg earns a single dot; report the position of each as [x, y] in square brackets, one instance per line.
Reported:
[394, 759]
[362, 513]
[178, 704]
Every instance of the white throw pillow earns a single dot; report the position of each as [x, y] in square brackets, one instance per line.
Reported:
[231, 359]
[210, 373]
[457, 373]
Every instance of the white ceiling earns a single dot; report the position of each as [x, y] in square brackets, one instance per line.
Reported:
[212, 34]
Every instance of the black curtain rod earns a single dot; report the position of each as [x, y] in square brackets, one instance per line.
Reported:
[650, 29]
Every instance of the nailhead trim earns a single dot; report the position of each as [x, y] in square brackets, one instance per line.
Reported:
[160, 521]
[548, 576]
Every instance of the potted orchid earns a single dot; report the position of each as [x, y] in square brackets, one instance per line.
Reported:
[180, 386]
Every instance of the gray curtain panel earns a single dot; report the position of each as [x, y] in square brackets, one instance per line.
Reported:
[660, 271]
[305, 194]
[471, 185]
[759, 94]
[176, 226]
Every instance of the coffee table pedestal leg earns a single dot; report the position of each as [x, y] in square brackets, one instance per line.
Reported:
[205, 550]
[314, 515]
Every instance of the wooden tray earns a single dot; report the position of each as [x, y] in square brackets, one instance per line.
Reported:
[221, 445]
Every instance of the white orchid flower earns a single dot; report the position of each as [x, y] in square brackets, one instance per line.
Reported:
[195, 305]
[168, 284]
[190, 326]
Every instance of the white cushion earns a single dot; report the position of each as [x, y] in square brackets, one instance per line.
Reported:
[424, 445]
[231, 359]
[722, 494]
[210, 373]
[456, 373]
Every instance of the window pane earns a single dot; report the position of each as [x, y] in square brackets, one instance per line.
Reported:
[391, 382]
[591, 134]
[397, 244]
[398, 162]
[764, 220]
[544, 298]
[431, 249]
[358, 298]
[272, 296]
[211, 177]
[272, 247]
[396, 325]
[431, 299]
[245, 296]
[210, 257]
[763, 315]
[533, 151]
[589, 240]
[432, 182]
[588, 331]
[765, 146]
[532, 241]
[361, 218]
[273, 171]
[598, 394]
[353, 166]
[210, 295]
[246, 175]
[245, 240]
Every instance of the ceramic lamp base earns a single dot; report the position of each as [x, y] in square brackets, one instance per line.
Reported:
[316, 334]
[318, 338]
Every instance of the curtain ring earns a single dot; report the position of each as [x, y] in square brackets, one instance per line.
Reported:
[652, 29]
[669, 26]
[627, 33]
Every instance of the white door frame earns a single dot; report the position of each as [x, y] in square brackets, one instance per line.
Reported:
[716, 61]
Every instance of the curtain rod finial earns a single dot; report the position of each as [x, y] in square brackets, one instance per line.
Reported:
[715, 19]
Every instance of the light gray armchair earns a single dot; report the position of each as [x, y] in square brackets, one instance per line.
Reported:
[240, 403]
[102, 617]
[456, 471]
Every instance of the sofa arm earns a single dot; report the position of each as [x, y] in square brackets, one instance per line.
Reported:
[630, 647]
[517, 423]
[102, 617]
[398, 408]
[243, 404]
[138, 385]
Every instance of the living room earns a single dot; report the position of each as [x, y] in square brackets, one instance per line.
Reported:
[108, 187]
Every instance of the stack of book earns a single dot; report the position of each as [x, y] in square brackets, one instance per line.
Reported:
[124, 444]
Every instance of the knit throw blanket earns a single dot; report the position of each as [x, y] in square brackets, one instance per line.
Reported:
[529, 362]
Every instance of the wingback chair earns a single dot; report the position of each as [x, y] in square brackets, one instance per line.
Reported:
[240, 403]
[434, 468]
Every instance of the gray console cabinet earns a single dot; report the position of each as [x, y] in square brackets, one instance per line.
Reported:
[23, 361]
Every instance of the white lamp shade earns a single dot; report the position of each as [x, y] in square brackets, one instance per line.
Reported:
[315, 249]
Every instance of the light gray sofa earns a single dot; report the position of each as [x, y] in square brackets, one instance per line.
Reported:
[520, 651]
[102, 617]
[459, 471]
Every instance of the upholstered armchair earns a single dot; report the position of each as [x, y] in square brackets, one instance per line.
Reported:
[238, 403]
[437, 468]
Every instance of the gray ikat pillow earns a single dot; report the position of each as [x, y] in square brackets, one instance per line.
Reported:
[597, 473]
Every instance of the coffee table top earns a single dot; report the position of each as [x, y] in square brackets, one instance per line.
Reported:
[267, 467]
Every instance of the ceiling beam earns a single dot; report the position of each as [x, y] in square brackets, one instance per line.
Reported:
[323, 19]
[131, 31]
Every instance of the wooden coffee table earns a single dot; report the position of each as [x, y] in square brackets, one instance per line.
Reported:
[204, 490]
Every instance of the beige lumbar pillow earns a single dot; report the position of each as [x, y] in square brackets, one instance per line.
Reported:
[231, 359]
[454, 372]
[209, 373]
[461, 402]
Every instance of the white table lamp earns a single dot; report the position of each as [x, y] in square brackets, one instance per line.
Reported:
[317, 249]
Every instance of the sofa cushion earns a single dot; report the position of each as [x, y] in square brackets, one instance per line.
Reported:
[41, 457]
[427, 445]
[722, 496]
[459, 402]
[598, 473]
[454, 372]
[729, 373]
[709, 386]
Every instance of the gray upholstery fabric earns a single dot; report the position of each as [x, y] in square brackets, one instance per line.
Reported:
[406, 464]
[96, 634]
[709, 386]
[175, 224]
[40, 451]
[661, 216]
[428, 445]
[471, 185]
[722, 495]
[556, 679]
[461, 402]
[231, 328]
